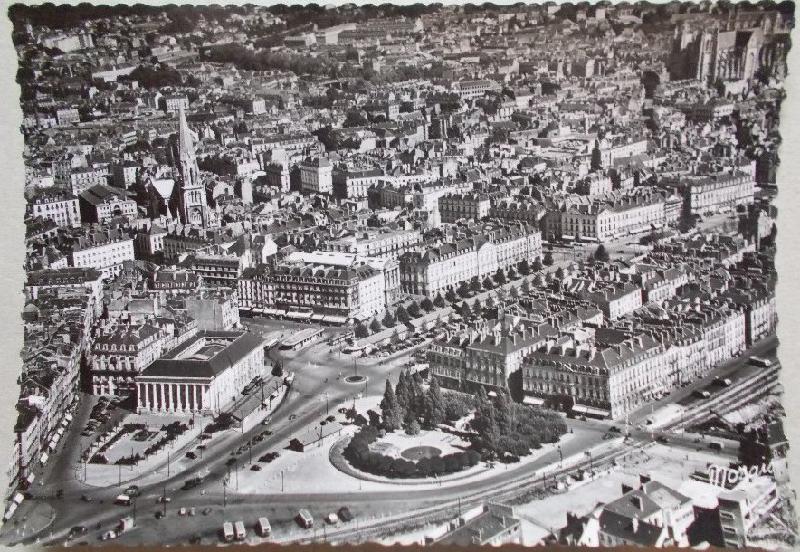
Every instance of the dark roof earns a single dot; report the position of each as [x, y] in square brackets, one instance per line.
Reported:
[239, 346]
[100, 193]
[622, 527]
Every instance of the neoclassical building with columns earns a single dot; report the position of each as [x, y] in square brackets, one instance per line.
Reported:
[203, 375]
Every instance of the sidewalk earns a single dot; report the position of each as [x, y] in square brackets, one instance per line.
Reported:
[31, 517]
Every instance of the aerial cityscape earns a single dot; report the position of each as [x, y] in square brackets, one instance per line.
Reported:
[423, 274]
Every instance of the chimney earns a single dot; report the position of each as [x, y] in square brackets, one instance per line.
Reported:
[637, 502]
[635, 524]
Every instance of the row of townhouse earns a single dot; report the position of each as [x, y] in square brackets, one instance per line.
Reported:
[330, 287]
[58, 321]
[607, 220]
[444, 267]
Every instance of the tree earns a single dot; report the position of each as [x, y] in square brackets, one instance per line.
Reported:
[464, 310]
[560, 274]
[505, 419]
[477, 308]
[439, 300]
[277, 369]
[537, 264]
[390, 409]
[512, 274]
[427, 305]
[418, 401]
[403, 391]
[601, 254]
[463, 289]
[548, 259]
[413, 428]
[524, 267]
[361, 331]
[514, 292]
[488, 283]
[354, 119]
[475, 284]
[434, 405]
[413, 310]
[388, 320]
[500, 277]
[375, 326]
[402, 314]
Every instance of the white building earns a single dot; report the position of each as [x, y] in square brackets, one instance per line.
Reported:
[205, 374]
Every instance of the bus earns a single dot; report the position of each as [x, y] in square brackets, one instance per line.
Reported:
[264, 528]
[270, 343]
[240, 531]
[760, 361]
[227, 531]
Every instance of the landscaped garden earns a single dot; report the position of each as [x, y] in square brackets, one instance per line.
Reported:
[415, 434]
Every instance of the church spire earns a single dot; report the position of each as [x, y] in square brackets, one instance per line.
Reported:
[185, 137]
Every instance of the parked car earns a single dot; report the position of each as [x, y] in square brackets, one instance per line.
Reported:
[191, 455]
[205, 511]
[255, 467]
[304, 519]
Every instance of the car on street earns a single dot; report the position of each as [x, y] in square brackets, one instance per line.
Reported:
[160, 514]
[205, 511]
[183, 512]
[304, 519]
[662, 439]
[191, 455]
[345, 514]
[230, 461]
[255, 467]
[162, 499]
[87, 498]
[332, 519]
[191, 483]
[292, 417]
[77, 531]
[133, 491]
